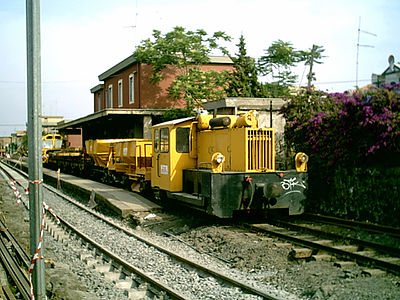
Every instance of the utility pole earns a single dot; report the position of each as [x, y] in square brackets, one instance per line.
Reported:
[34, 145]
[310, 74]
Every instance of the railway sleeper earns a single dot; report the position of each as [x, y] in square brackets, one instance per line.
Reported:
[112, 276]
[323, 257]
[125, 283]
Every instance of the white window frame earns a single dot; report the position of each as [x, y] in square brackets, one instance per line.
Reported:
[120, 94]
[110, 96]
[132, 88]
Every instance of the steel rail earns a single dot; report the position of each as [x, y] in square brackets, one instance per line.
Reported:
[126, 265]
[218, 275]
[379, 247]
[18, 275]
[387, 266]
[20, 253]
[371, 227]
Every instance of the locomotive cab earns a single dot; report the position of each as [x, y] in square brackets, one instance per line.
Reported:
[171, 154]
[51, 142]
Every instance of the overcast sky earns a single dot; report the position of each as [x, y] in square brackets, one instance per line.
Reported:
[83, 38]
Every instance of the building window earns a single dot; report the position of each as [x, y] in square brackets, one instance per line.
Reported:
[105, 99]
[98, 101]
[132, 88]
[120, 98]
[110, 96]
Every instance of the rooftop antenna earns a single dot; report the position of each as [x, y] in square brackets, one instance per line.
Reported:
[359, 45]
[134, 26]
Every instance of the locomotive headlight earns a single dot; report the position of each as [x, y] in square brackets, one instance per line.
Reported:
[301, 160]
[220, 159]
[217, 161]
[304, 158]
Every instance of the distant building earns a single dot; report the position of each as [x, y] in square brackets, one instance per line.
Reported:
[390, 76]
[49, 123]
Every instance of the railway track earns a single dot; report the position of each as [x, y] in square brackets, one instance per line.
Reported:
[321, 242]
[351, 224]
[123, 264]
[16, 262]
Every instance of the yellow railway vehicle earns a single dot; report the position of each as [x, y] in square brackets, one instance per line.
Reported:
[224, 165]
[127, 160]
[50, 143]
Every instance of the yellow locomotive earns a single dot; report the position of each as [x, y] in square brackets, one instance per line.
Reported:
[51, 142]
[221, 165]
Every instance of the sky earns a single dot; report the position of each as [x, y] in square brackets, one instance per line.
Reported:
[80, 39]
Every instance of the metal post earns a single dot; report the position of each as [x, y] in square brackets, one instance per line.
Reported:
[270, 114]
[35, 141]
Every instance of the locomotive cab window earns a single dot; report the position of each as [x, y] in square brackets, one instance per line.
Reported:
[182, 140]
[164, 139]
[156, 140]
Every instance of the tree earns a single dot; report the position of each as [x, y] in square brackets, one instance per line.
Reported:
[197, 86]
[311, 57]
[186, 51]
[278, 60]
[243, 81]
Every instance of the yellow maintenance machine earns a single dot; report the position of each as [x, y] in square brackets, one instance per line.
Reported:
[224, 164]
[125, 160]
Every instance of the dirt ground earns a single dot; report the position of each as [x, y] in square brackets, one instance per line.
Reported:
[268, 258]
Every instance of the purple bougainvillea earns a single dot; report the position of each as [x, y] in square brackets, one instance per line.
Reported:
[345, 127]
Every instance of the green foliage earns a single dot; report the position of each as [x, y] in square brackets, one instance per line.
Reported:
[186, 51]
[198, 86]
[177, 113]
[179, 48]
[367, 193]
[307, 56]
[243, 81]
[278, 60]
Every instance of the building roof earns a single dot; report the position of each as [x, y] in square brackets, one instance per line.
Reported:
[245, 103]
[390, 69]
[175, 121]
[127, 62]
[108, 112]
[97, 88]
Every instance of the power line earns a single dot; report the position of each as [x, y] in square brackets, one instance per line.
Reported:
[11, 125]
[343, 81]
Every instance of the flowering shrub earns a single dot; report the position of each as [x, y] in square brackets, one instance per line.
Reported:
[353, 140]
[345, 128]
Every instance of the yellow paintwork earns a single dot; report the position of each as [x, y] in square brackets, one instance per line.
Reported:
[236, 145]
[301, 166]
[167, 170]
[51, 142]
[129, 156]
[245, 148]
